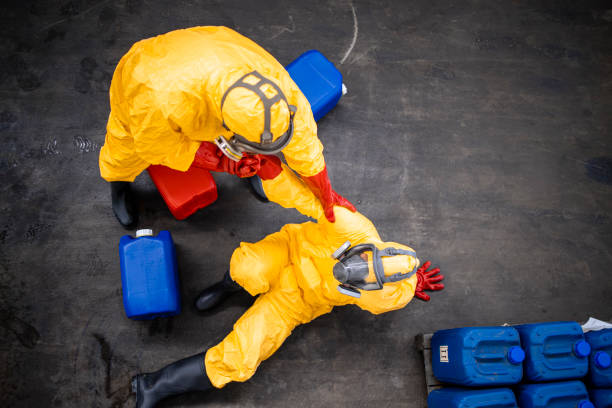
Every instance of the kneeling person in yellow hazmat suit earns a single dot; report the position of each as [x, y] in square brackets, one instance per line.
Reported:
[212, 98]
[300, 272]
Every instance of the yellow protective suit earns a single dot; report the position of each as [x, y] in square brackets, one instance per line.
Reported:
[166, 95]
[291, 271]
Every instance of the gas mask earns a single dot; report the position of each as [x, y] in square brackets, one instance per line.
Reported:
[365, 267]
[237, 144]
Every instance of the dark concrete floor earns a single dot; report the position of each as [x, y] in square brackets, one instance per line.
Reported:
[477, 132]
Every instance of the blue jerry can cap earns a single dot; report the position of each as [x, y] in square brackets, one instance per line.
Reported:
[585, 404]
[516, 355]
[602, 359]
[582, 348]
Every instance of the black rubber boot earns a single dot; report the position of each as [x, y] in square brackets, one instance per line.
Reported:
[257, 189]
[123, 205]
[217, 293]
[188, 374]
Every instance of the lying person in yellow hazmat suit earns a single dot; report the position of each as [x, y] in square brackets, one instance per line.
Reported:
[212, 98]
[300, 272]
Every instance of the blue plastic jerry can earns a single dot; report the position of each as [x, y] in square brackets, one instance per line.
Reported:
[319, 81]
[554, 351]
[600, 362]
[564, 394]
[601, 397]
[453, 397]
[149, 275]
[477, 356]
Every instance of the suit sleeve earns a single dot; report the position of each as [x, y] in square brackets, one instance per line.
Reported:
[304, 154]
[289, 191]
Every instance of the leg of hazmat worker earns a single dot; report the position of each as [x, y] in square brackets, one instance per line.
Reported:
[258, 333]
[256, 266]
[119, 165]
[176, 378]
[216, 293]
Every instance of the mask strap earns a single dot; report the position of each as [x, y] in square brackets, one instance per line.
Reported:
[266, 136]
[397, 276]
[397, 251]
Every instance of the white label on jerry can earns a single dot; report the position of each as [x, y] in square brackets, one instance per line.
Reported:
[444, 354]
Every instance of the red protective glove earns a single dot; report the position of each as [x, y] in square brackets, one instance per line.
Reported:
[270, 167]
[248, 166]
[321, 187]
[210, 157]
[427, 281]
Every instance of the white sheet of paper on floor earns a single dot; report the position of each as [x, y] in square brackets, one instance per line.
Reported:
[595, 324]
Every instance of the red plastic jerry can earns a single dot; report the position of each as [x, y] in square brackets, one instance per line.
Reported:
[184, 192]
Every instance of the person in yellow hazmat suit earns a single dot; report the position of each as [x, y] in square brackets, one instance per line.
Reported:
[208, 97]
[299, 273]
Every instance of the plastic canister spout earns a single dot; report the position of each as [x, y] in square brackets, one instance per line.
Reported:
[585, 404]
[144, 233]
[516, 355]
[602, 360]
[582, 348]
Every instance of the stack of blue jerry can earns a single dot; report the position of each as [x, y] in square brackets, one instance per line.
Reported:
[149, 275]
[600, 374]
[477, 356]
[561, 394]
[453, 397]
[554, 351]
[600, 367]
[601, 397]
[555, 354]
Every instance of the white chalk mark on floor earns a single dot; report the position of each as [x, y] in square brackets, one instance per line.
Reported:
[355, 32]
[285, 29]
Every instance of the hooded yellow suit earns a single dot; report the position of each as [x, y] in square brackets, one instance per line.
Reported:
[291, 271]
[165, 100]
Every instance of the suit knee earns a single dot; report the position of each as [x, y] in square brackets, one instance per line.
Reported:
[247, 271]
